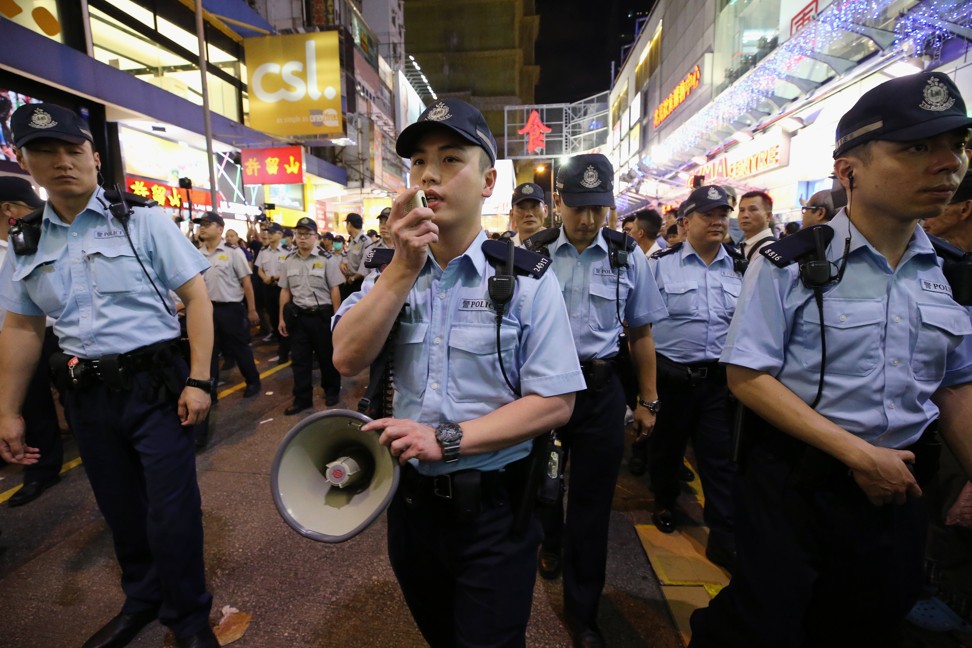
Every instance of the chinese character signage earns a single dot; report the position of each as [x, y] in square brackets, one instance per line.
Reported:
[677, 96]
[536, 131]
[167, 195]
[281, 165]
[295, 84]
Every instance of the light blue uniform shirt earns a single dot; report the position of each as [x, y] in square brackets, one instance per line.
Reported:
[446, 366]
[85, 276]
[700, 300]
[893, 336]
[590, 287]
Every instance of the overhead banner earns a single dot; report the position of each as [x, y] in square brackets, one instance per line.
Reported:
[280, 165]
[295, 83]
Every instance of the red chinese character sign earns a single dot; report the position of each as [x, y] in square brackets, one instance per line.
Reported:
[167, 195]
[536, 131]
[280, 165]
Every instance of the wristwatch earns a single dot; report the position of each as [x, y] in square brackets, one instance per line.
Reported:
[205, 385]
[449, 436]
[652, 406]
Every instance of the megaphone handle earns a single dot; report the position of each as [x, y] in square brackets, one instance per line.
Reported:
[380, 394]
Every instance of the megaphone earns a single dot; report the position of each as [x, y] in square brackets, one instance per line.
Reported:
[329, 479]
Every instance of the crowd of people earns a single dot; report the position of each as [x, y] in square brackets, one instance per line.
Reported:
[812, 367]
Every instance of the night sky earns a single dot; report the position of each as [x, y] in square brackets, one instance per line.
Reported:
[578, 40]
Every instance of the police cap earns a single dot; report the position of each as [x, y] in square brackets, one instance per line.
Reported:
[48, 121]
[456, 115]
[586, 180]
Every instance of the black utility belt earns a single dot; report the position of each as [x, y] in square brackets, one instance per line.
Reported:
[598, 372]
[114, 370]
[310, 312]
[222, 303]
[694, 372]
[464, 493]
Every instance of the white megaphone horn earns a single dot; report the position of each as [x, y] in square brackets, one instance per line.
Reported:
[329, 479]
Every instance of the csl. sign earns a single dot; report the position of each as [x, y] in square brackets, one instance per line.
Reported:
[295, 84]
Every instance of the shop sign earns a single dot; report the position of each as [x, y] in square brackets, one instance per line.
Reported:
[536, 132]
[678, 95]
[795, 15]
[167, 195]
[295, 83]
[279, 165]
[764, 153]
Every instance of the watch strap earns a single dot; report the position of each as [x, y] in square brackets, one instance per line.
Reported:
[205, 385]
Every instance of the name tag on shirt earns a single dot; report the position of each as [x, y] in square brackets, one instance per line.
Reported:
[935, 286]
[222, 257]
[604, 271]
[729, 274]
[109, 234]
[474, 304]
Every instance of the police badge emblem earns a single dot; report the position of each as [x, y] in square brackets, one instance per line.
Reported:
[936, 96]
[439, 112]
[713, 194]
[527, 190]
[42, 119]
[591, 179]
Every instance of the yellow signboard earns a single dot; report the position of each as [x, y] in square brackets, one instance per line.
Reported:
[295, 84]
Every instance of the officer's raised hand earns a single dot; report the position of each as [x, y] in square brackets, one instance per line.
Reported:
[885, 476]
[413, 231]
[12, 446]
[406, 439]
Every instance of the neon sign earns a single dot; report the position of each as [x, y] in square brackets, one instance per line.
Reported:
[678, 95]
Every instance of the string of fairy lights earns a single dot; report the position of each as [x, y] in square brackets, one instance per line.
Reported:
[925, 25]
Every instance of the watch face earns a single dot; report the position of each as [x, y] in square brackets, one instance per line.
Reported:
[448, 433]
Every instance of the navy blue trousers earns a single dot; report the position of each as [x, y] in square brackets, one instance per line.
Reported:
[142, 467]
[594, 442]
[310, 336]
[818, 564]
[466, 583]
[40, 418]
[232, 335]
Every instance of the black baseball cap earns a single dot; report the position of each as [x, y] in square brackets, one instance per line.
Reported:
[328, 235]
[48, 121]
[456, 115]
[355, 220]
[900, 110]
[385, 213]
[17, 189]
[527, 191]
[275, 227]
[210, 217]
[307, 223]
[586, 180]
[703, 199]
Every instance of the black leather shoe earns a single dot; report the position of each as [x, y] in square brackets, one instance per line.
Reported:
[664, 519]
[588, 638]
[121, 630]
[721, 556]
[549, 565]
[295, 408]
[331, 399]
[252, 390]
[31, 491]
[202, 639]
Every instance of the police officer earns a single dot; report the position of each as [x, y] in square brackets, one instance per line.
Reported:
[699, 281]
[528, 211]
[605, 281]
[17, 199]
[465, 565]
[269, 265]
[846, 361]
[309, 288]
[127, 394]
[228, 282]
[358, 242]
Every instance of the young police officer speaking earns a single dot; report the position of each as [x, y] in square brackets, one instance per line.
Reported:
[466, 568]
[104, 274]
[606, 284]
[847, 350]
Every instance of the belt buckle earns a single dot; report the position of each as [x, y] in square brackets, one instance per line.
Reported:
[437, 486]
[700, 373]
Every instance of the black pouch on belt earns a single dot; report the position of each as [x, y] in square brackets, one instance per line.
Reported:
[467, 494]
[114, 372]
[548, 491]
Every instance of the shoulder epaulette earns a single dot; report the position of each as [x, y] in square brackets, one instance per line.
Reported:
[375, 257]
[525, 262]
[794, 247]
[133, 200]
[619, 239]
[671, 249]
[539, 241]
[957, 268]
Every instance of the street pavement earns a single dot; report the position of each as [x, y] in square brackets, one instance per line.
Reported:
[59, 581]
